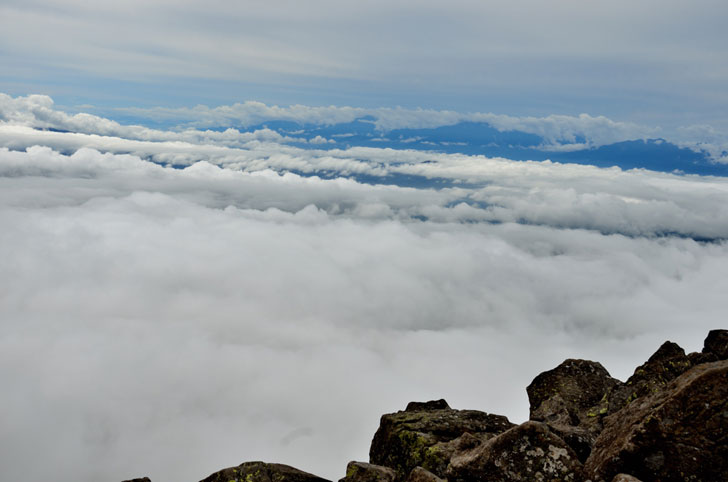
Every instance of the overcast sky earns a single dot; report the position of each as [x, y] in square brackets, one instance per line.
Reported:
[662, 63]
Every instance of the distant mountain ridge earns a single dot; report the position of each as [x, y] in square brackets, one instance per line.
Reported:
[481, 138]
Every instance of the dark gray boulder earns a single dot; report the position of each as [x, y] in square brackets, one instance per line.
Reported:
[717, 344]
[262, 472]
[666, 364]
[526, 453]
[364, 472]
[419, 474]
[679, 433]
[428, 434]
[572, 399]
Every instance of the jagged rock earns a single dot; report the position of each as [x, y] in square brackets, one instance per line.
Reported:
[262, 472]
[528, 452]
[666, 364]
[428, 437]
[679, 433]
[698, 358]
[419, 474]
[625, 478]
[143, 479]
[363, 472]
[717, 344]
[431, 405]
[572, 399]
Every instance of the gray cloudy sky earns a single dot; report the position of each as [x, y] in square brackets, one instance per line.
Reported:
[172, 322]
[662, 63]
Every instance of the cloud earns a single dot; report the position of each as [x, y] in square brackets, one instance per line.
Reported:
[173, 321]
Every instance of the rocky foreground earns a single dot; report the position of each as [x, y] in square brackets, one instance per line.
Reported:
[667, 422]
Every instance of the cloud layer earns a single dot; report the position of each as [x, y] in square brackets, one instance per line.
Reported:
[258, 302]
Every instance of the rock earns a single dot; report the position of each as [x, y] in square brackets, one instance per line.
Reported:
[431, 405]
[717, 344]
[528, 452]
[143, 479]
[679, 433]
[419, 474]
[625, 478]
[666, 364]
[363, 472]
[698, 358]
[572, 399]
[262, 472]
[427, 437]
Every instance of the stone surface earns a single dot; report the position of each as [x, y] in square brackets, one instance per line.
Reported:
[572, 399]
[262, 472]
[363, 472]
[698, 358]
[428, 437]
[625, 478]
[526, 453]
[666, 364]
[717, 344]
[419, 474]
[679, 433]
[431, 405]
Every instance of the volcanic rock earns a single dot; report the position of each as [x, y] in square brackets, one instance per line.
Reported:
[526, 453]
[419, 474]
[427, 435]
[679, 433]
[363, 472]
[572, 399]
[262, 472]
[625, 478]
[666, 364]
[717, 344]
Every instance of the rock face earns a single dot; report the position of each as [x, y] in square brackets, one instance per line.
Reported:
[625, 478]
[529, 452]
[572, 399]
[262, 472]
[428, 434]
[419, 474]
[679, 433]
[717, 344]
[666, 364]
[363, 472]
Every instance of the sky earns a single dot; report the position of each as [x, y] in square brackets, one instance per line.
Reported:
[243, 231]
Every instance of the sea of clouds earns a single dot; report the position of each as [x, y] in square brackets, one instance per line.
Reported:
[175, 302]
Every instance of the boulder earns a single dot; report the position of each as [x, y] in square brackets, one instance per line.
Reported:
[431, 405]
[419, 474]
[666, 364]
[363, 472]
[428, 434]
[625, 478]
[679, 433]
[717, 344]
[698, 358]
[262, 472]
[526, 453]
[572, 399]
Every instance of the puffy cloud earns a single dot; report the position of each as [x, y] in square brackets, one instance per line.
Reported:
[173, 321]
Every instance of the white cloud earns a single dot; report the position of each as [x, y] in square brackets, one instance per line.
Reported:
[171, 322]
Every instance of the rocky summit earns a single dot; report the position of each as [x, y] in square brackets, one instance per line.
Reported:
[667, 423]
